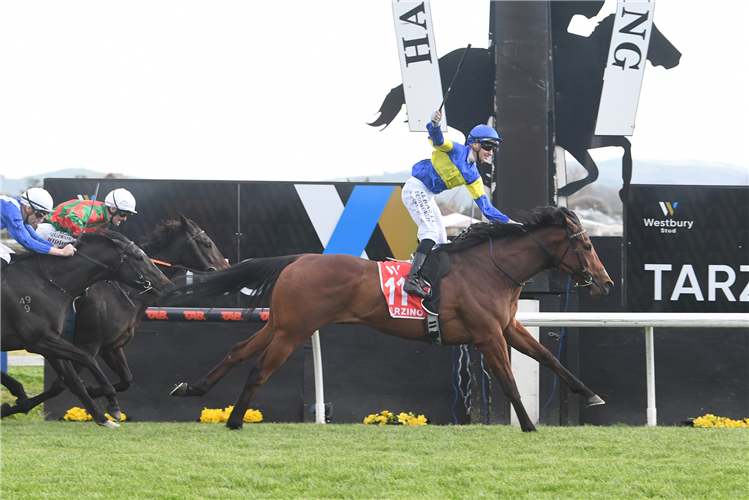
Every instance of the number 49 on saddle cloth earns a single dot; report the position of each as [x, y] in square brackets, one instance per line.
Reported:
[393, 276]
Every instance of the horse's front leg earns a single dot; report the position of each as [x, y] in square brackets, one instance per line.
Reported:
[520, 339]
[494, 349]
[239, 354]
[68, 374]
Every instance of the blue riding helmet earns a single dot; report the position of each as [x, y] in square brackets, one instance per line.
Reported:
[481, 133]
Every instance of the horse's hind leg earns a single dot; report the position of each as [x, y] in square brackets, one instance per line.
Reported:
[588, 164]
[273, 357]
[494, 350]
[14, 386]
[239, 354]
[16, 389]
[26, 405]
[52, 345]
[521, 339]
[600, 141]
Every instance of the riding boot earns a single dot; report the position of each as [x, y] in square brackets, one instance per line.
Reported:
[412, 285]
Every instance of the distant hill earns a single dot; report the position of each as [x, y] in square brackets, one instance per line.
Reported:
[643, 172]
[669, 172]
[14, 187]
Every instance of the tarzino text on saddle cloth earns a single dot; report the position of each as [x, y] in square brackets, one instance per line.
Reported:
[393, 276]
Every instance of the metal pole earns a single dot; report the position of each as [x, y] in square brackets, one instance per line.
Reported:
[317, 363]
[650, 362]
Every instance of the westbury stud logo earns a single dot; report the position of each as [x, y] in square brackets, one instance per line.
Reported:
[668, 207]
[669, 225]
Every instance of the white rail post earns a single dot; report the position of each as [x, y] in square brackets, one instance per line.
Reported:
[317, 363]
[650, 362]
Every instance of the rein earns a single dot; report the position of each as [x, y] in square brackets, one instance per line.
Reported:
[583, 272]
[491, 250]
[141, 282]
[195, 250]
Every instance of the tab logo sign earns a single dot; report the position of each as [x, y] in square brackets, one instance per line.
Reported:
[668, 226]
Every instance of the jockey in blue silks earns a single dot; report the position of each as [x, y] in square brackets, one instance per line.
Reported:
[20, 216]
[451, 165]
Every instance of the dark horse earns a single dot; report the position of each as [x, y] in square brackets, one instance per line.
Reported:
[579, 64]
[37, 291]
[108, 315]
[479, 300]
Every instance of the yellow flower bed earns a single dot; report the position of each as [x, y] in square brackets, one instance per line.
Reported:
[385, 417]
[711, 420]
[80, 414]
[219, 415]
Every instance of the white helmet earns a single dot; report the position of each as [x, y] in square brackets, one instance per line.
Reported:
[38, 199]
[121, 199]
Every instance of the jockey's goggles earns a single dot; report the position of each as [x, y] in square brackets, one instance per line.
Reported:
[40, 215]
[489, 146]
[124, 213]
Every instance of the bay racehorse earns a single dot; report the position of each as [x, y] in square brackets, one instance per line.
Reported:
[37, 291]
[490, 263]
[108, 314]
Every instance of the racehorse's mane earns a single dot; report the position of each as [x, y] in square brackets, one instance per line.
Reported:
[112, 235]
[537, 218]
[160, 238]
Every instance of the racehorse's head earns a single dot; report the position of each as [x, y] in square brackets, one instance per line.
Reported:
[203, 254]
[127, 263]
[580, 260]
[182, 242]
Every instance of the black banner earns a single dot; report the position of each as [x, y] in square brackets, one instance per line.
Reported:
[687, 249]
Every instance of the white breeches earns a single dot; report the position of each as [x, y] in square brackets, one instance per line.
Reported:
[420, 203]
[5, 253]
[49, 233]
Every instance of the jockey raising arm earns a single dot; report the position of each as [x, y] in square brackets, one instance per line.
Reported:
[70, 218]
[20, 216]
[451, 165]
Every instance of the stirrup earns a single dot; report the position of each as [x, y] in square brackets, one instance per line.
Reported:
[413, 287]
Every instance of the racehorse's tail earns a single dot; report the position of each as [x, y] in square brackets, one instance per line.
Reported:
[259, 275]
[390, 108]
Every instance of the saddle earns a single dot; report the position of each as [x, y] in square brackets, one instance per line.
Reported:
[436, 267]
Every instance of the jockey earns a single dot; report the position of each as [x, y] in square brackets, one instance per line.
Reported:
[70, 218]
[451, 165]
[21, 216]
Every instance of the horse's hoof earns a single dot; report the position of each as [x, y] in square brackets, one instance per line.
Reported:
[179, 390]
[115, 414]
[234, 427]
[109, 423]
[594, 401]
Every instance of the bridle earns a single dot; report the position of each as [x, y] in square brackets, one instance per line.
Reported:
[141, 283]
[583, 272]
[193, 245]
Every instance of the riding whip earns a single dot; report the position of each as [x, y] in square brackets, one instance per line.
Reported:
[455, 75]
[93, 200]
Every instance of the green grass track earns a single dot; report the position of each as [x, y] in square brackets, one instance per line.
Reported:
[70, 460]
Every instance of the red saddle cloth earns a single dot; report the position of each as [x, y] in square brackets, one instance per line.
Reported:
[393, 276]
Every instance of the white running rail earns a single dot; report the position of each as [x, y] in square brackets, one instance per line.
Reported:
[634, 320]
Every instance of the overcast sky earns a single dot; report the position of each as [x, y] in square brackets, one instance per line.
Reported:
[282, 90]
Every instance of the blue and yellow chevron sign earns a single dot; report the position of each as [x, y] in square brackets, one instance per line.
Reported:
[348, 229]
